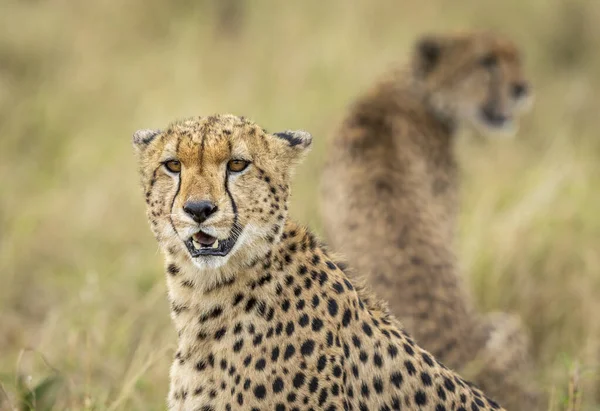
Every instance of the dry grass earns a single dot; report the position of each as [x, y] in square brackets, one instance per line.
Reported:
[82, 291]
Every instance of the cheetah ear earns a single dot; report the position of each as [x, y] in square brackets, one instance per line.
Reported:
[298, 141]
[142, 138]
[296, 138]
[428, 51]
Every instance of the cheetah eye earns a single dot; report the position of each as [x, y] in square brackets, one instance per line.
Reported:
[235, 166]
[174, 166]
[489, 61]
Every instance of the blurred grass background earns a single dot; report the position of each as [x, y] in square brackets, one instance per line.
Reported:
[82, 293]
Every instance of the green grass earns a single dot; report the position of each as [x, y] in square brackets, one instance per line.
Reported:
[82, 300]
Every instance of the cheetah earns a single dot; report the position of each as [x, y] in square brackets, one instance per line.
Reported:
[266, 320]
[389, 197]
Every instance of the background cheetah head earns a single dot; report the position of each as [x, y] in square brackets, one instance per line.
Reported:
[217, 187]
[473, 77]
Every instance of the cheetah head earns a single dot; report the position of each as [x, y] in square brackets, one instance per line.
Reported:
[475, 78]
[217, 187]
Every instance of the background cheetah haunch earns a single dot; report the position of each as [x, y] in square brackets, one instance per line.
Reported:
[266, 320]
[389, 200]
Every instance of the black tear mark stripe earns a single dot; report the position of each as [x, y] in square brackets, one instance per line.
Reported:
[236, 227]
[176, 192]
[290, 138]
[233, 205]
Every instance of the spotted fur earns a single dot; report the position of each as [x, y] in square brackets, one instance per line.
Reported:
[277, 325]
[390, 201]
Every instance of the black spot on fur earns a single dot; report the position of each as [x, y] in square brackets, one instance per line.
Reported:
[172, 269]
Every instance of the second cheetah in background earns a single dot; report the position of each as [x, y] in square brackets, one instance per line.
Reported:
[389, 200]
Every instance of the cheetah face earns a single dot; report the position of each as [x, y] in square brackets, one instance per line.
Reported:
[217, 187]
[475, 78]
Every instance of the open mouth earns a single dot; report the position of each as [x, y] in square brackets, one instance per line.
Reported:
[202, 244]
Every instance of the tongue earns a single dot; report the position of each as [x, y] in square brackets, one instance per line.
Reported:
[204, 239]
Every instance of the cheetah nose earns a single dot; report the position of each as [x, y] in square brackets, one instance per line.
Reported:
[199, 210]
[493, 116]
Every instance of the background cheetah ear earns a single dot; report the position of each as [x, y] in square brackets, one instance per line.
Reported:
[428, 51]
[298, 141]
[142, 138]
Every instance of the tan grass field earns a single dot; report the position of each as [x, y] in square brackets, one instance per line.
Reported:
[81, 283]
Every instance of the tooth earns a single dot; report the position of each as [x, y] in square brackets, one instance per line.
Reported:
[215, 244]
[196, 244]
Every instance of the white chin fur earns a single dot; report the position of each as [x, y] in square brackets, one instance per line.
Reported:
[507, 131]
[525, 105]
[211, 262]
